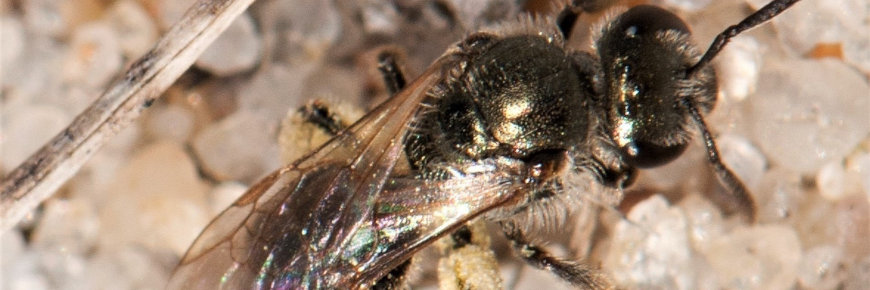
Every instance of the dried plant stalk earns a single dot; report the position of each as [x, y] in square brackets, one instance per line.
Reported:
[38, 177]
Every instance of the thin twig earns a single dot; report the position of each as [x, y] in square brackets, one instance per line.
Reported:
[46, 170]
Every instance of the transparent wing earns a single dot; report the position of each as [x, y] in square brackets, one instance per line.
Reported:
[342, 216]
[412, 214]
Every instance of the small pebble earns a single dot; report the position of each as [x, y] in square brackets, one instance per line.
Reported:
[845, 223]
[236, 50]
[59, 265]
[738, 68]
[851, 218]
[299, 30]
[862, 166]
[224, 194]
[822, 268]
[831, 180]
[704, 220]
[652, 247]
[275, 90]
[171, 122]
[22, 269]
[45, 17]
[807, 24]
[758, 257]
[134, 28]
[12, 32]
[35, 76]
[859, 275]
[127, 267]
[857, 50]
[807, 112]
[94, 57]
[69, 225]
[26, 272]
[380, 19]
[815, 221]
[316, 23]
[26, 128]
[844, 22]
[779, 196]
[742, 157]
[241, 147]
[158, 193]
[170, 11]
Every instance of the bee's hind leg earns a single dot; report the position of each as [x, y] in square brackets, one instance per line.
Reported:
[394, 78]
[321, 115]
[467, 260]
[579, 274]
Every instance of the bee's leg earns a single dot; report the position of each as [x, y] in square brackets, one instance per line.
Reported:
[394, 79]
[579, 274]
[395, 279]
[318, 113]
[467, 261]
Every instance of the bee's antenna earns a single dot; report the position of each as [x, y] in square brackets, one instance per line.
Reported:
[762, 15]
[739, 194]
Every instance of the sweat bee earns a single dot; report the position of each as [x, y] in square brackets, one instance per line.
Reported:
[507, 117]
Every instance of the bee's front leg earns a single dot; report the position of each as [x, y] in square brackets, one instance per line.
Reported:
[579, 274]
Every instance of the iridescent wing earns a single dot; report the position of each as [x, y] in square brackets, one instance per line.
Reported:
[343, 216]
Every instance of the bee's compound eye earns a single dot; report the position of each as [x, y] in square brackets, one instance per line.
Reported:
[646, 20]
[645, 154]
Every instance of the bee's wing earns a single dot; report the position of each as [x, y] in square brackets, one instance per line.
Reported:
[315, 224]
[411, 214]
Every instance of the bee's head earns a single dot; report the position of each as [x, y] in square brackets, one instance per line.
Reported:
[646, 56]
